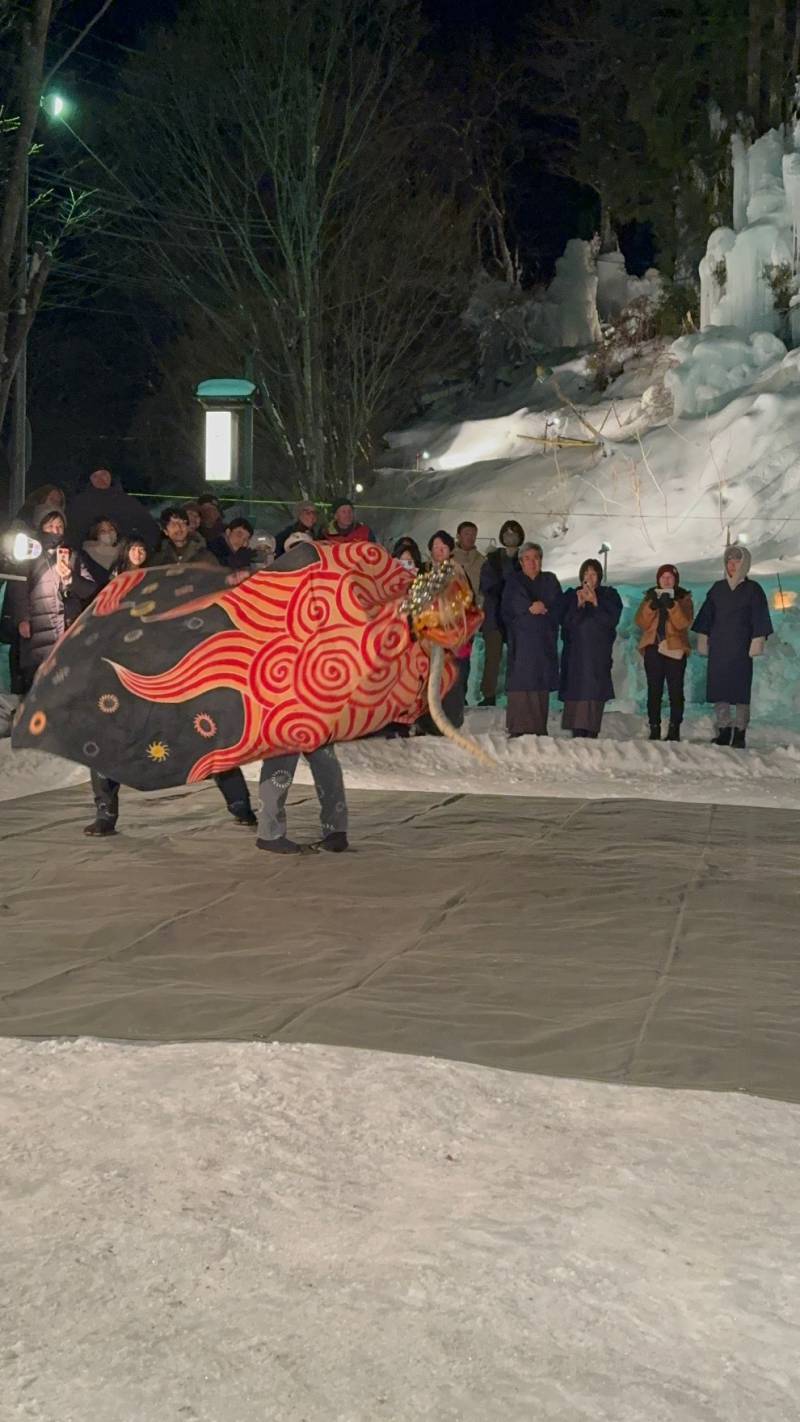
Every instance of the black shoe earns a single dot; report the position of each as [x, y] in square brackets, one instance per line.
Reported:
[739, 741]
[723, 737]
[279, 846]
[487, 701]
[655, 730]
[335, 843]
[248, 820]
[674, 732]
[101, 828]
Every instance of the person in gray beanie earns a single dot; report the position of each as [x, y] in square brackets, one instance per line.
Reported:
[732, 629]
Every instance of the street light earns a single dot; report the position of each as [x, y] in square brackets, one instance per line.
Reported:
[603, 551]
[55, 105]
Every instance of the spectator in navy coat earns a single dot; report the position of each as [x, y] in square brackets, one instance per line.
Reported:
[733, 626]
[531, 609]
[590, 614]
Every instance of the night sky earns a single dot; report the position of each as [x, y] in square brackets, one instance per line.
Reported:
[84, 417]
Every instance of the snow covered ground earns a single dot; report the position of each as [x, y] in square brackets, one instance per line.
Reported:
[621, 765]
[261, 1233]
[657, 489]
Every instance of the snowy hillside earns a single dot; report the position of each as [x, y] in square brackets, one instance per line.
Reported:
[652, 486]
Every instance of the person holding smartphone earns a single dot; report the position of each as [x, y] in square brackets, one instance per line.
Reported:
[55, 592]
[590, 615]
[664, 617]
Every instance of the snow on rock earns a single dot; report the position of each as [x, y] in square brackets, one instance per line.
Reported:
[710, 365]
[568, 314]
[735, 289]
[243, 1232]
[616, 289]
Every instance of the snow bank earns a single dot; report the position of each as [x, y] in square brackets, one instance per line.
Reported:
[241, 1232]
[714, 363]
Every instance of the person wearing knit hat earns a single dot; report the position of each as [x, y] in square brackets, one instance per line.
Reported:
[732, 629]
[664, 618]
[344, 527]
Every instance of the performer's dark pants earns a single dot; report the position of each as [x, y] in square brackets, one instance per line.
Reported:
[231, 782]
[661, 669]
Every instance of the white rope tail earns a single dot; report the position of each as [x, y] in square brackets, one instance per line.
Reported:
[436, 654]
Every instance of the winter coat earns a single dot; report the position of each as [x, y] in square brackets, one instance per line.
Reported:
[679, 612]
[359, 533]
[49, 607]
[227, 558]
[194, 550]
[472, 563]
[733, 625]
[588, 635]
[497, 569]
[129, 517]
[99, 559]
[532, 639]
[296, 527]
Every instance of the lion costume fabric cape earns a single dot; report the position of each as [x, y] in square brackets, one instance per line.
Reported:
[173, 675]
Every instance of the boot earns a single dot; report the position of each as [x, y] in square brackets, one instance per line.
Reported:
[100, 827]
[655, 730]
[487, 701]
[674, 732]
[739, 741]
[247, 818]
[279, 846]
[723, 737]
[335, 843]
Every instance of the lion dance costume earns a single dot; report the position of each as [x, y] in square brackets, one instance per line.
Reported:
[173, 675]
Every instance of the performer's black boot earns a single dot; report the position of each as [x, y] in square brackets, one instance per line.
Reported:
[723, 737]
[106, 800]
[739, 741]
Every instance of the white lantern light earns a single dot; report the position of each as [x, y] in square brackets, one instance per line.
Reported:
[219, 446]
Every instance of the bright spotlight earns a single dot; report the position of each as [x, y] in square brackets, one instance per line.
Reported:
[359, 488]
[24, 549]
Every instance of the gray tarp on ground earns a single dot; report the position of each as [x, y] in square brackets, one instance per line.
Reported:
[616, 940]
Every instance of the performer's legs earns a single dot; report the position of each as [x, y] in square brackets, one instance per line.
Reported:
[277, 775]
[329, 785]
[237, 796]
[106, 803]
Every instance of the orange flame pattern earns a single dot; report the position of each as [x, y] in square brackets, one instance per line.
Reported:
[317, 656]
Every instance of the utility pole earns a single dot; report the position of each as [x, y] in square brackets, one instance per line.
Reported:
[19, 410]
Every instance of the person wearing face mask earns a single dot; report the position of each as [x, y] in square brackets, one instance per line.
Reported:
[590, 614]
[664, 618]
[499, 565]
[733, 626]
[101, 551]
[55, 591]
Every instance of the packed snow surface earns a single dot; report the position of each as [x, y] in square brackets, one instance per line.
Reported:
[621, 765]
[261, 1233]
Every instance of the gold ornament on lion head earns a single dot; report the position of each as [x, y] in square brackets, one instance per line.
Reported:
[441, 607]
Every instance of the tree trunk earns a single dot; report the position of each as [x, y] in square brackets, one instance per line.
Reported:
[777, 65]
[755, 53]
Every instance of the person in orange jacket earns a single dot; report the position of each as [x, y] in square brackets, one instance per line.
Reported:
[665, 615]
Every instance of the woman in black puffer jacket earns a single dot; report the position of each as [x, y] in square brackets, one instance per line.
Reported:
[53, 595]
